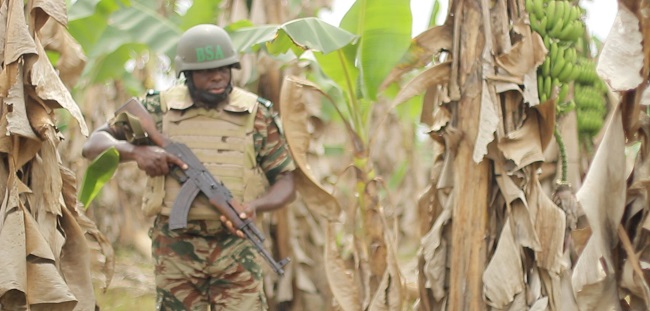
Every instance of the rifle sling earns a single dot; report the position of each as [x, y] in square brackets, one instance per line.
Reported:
[133, 130]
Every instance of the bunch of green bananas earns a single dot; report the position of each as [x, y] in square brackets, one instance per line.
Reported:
[558, 70]
[589, 94]
[567, 75]
[560, 25]
[558, 19]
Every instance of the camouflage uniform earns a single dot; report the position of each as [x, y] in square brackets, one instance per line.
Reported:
[204, 265]
[202, 261]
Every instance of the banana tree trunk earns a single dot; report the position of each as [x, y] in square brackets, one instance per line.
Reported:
[468, 254]
[373, 245]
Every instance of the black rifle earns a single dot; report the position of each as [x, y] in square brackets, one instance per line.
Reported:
[140, 128]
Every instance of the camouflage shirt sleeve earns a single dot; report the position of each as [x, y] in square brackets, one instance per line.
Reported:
[151, 102]
[270, 145]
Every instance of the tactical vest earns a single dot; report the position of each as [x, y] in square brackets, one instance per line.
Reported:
[221, 138]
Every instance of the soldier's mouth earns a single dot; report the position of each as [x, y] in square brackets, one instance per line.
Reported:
[217, 90]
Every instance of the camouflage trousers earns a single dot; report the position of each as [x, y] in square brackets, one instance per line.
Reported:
[204, 267]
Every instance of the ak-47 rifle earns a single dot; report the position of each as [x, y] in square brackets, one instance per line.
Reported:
[141, 129]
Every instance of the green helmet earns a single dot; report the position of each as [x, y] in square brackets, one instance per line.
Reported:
[204, 46]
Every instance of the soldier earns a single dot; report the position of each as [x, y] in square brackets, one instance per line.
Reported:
[234, 134]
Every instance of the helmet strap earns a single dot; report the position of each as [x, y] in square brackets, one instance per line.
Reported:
[206, 99]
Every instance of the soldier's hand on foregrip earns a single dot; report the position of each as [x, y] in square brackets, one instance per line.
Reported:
[155, 161]
[244, 214]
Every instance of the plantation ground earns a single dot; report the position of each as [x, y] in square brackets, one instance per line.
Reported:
[132, 287]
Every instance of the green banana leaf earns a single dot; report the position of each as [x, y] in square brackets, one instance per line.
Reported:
[201, 12]
[98, 173]
[85, 13]
[340, 67]
[249, 39]
[123, 28]
[298, 35]
[131, 30]
[140, 24]
[83, 9]
[384, 29]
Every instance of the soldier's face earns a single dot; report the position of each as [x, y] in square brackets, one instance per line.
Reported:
[214, 80]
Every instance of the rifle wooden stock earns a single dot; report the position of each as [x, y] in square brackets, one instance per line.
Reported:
[140, 127]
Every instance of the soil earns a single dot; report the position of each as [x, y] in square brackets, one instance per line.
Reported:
[132, 286]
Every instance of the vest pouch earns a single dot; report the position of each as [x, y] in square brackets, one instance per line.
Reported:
[152, 199]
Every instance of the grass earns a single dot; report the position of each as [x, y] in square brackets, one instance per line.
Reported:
[132, 286]
[123, 299]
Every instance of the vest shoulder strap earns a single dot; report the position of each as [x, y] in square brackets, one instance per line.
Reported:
[242, 100]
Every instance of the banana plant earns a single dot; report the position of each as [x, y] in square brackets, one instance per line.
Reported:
[356, 58]
[123, 29]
